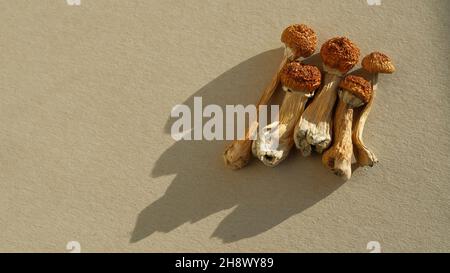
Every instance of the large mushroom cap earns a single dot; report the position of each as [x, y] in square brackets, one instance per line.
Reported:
[357, 86]
[340, 53]
[300, 77]
[301, 39]
[377, 62]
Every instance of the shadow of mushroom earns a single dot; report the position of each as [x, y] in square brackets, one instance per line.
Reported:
[262, 197]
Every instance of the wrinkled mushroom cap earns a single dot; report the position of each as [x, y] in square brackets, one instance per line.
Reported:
[301, 39]
[377, 62]
[340, 53]
[300, 77]
[357, 86]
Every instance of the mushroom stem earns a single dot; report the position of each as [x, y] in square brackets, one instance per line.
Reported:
[374, 81]
[270, 89]
[364, 156]
[238, 153]
[339, 157]
[315, 125]
[275, 140]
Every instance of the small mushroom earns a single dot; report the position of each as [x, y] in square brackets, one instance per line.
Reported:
[355, 92]
[377, 62]
[373, 63]
[300, 41]
[275, 140]
[339, 56]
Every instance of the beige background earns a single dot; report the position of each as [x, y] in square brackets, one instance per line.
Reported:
[86, 154]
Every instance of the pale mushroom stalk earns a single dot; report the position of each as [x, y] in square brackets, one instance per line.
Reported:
[275, 140]
[374, 63]
[355, 92]
[314, 129]
[299, 41]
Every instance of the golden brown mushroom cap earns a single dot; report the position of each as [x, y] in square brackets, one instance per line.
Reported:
[301, 77]
[340, 53]
[301, 39]
[377, 62]
[358, 86]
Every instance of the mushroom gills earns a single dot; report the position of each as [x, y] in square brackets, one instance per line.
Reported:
[300, 93]
[289, 53]
[350, 99]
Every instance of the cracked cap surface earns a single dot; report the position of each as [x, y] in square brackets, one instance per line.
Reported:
[358, 86]
[301, 39]
[340, 53]
[377, 62]
[301, 77]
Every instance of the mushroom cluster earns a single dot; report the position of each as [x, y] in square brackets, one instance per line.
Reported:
[329, 122]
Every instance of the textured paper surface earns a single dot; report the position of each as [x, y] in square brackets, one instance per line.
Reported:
[86, 154]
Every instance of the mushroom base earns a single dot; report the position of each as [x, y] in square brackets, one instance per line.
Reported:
[275, 141]
[238, 154]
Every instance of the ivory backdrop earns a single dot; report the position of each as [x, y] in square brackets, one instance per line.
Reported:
[86, 153]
